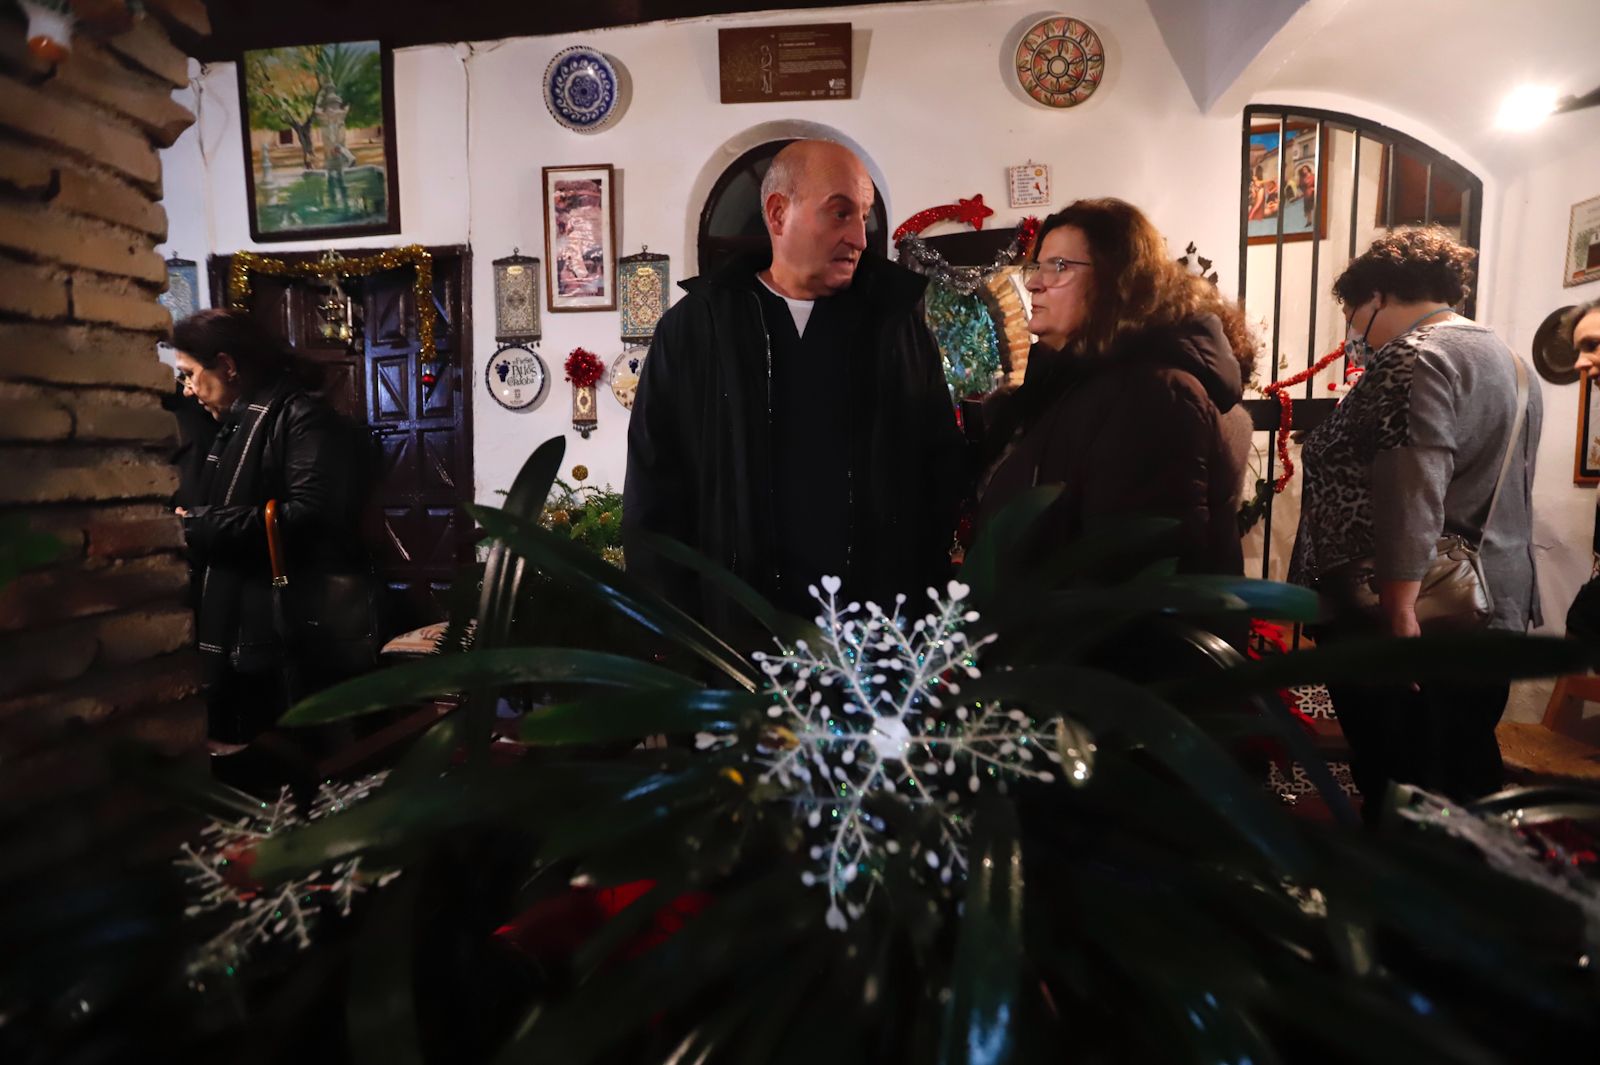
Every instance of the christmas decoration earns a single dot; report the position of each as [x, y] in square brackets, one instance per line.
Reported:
[584, 370]
[1195, 264]
[516, 298]
[1251, 511]
[248, 263]
[868, 735]
[49, 28]
[972, 211]
[217, 871]
[964, 329]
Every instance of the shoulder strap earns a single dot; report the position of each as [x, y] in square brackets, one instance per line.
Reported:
[1511, 444]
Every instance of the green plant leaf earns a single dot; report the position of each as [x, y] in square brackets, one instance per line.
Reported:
[583, 572]
[1462, 657]
[637, 715]
[985, 983]
[426, 678]
[380, 1008]
[1001, 538]
[785, 627]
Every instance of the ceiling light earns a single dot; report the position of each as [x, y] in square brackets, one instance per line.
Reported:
[1527, 106]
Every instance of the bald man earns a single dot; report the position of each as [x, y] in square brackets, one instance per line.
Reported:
[792, 420]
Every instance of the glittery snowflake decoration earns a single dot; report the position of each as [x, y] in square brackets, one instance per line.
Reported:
[219, 878]
[881, 755]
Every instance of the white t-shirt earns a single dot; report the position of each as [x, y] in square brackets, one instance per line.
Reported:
[799, 310]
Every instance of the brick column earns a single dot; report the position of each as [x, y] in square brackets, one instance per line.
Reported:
[97, 644]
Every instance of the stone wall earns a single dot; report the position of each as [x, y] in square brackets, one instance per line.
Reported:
[95, 646]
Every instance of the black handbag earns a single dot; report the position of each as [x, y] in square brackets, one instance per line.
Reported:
[327, 622]
[1454, 595]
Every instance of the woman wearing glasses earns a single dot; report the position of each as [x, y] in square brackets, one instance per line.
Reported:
[1131, 400]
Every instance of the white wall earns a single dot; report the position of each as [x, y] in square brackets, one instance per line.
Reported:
[935, 109]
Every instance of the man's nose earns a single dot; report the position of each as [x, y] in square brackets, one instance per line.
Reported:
[856, 235]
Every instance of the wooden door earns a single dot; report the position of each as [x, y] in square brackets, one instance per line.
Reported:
[415, 523]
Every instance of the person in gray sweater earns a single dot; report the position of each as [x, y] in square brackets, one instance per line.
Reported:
[1412, 453]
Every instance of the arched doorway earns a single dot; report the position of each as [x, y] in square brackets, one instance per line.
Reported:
[731, 223]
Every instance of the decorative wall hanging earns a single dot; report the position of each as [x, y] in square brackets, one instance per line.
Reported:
[625, 371]
[49, 28]
[245, 264]
[319, 155]
[644, 280]
[1553, 354]
[516, 377]
[1195, 264]
[183, 287]
[580, 249]
[1303, 168]
[1060, 62]
[1583, 244]
[516, 298]
[972, 212]
[1028, 185]
[584, 370]
[581, 89]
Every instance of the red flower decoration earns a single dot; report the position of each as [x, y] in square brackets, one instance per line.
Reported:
[1280, 389]
[584, 368]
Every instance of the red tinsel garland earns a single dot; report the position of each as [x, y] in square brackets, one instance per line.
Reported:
[1281, 388]
[584, 368]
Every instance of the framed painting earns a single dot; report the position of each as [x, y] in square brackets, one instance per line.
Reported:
[1583, 244]
[1304, 163]
[580, 239]
[1586, 466]
[319, 151]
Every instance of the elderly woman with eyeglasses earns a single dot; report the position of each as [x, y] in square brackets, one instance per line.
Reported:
[1131, 401]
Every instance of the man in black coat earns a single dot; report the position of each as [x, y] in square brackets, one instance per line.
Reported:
[792, 419]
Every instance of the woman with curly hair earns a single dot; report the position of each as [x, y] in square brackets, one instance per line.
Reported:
[1131, 400]
[1412, 453]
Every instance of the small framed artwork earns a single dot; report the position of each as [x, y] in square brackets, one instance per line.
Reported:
[1586, 467]
[1028, 185]
[1304, 164]
[580, 241]
[319, 149]
[1583, 244]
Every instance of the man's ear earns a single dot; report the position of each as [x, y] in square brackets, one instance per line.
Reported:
[776, 210]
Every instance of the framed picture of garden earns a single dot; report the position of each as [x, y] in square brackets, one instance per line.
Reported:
[319, 153]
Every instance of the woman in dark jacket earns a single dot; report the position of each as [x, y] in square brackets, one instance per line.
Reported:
[1131, 399]
[275, 441]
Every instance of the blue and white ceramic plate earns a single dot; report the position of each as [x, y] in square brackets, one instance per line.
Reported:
[580, 89]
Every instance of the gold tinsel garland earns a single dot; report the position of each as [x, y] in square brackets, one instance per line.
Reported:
[246, 263]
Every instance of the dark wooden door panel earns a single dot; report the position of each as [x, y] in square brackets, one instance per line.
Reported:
[416, 525]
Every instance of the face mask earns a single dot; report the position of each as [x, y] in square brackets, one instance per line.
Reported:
[1356, 348]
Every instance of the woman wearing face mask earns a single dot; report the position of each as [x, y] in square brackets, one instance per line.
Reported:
[1414, 451]
[275, 440]
[1131, 400]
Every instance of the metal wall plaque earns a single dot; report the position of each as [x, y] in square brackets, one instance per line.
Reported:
[763, 63]
[516, 377]
[644, 281]
[182, 296]
[516, 298]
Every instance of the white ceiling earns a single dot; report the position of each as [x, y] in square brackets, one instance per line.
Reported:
[1446, 64]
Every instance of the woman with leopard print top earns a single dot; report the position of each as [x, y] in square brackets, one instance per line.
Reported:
[1413, 452]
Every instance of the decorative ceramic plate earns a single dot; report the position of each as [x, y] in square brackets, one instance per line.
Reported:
[580, 89]
[1553, 356]
[1060, 62]
[516, 377]
[625, 370]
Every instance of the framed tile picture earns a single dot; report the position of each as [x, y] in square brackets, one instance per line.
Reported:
[580, 241]
[1583, 244]
[319, 149]
[1586, 464]
[1297, 150]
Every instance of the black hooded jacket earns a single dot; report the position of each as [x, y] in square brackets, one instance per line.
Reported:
[1152, 428]
[700, 444]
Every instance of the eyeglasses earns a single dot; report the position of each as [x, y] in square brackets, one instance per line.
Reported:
[1050, 272]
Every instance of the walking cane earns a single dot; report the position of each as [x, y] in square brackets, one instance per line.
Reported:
[280, 622]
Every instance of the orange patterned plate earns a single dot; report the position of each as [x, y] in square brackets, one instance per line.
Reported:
[1060, 62]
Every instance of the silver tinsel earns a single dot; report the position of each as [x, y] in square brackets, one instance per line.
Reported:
[915, 255]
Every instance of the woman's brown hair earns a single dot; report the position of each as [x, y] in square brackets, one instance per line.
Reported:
[1411, 265]
[205, 335]
[1137, 283]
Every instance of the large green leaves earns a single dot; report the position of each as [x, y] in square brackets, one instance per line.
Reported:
[980, 1024]
[431, 677]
